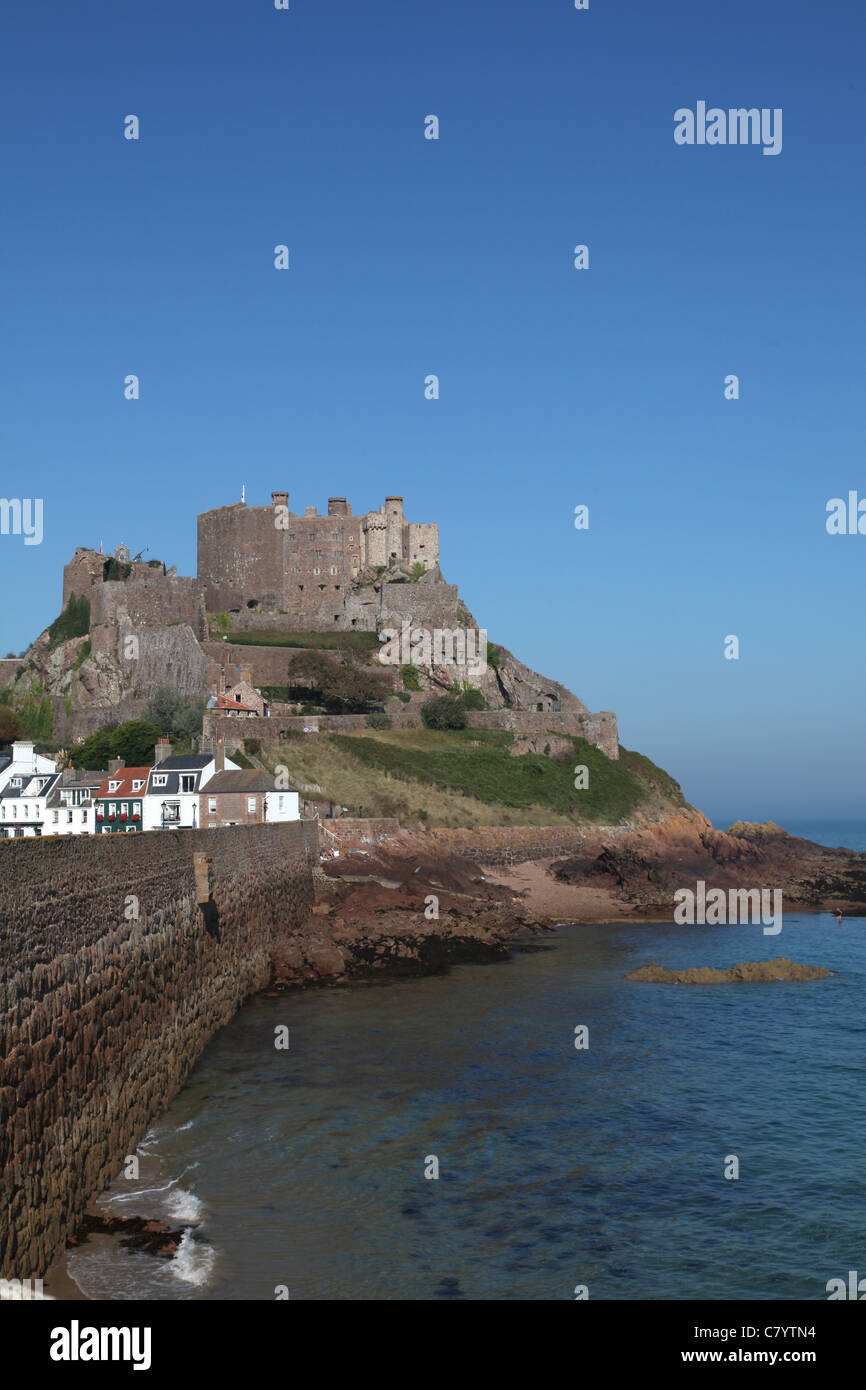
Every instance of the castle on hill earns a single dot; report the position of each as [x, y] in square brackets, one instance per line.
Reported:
[269, 569]
[278, 560]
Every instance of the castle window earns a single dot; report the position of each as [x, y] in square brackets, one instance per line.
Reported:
[337, 587]
[352, 538]
[317, 570]
[311, 535]
[301, 587]
[322, 586]
[335, 536]
[293, 569]
[292, 536]
[318, 554]
[334, 570]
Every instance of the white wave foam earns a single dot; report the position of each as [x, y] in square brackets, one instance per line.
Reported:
[193, 1262]
[185, 1206]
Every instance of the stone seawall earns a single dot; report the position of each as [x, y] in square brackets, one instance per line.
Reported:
[495, 844]
[104, 1012]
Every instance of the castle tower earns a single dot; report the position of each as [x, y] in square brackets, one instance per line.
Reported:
[374, 532]
[394, 530]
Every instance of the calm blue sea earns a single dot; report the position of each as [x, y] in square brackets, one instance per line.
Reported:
[557, 1167]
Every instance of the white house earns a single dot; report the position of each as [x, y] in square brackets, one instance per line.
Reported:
[23, 760]
[70, 807]
[22, 804]
[171, 801]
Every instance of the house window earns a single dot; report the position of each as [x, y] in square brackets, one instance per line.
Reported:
[68, 817]
[112, 786]
[251, 805]
[211, 805]
[137, 786]
[187, 781]
[160, 779]
[171, 812]
[280, 801]
[55, 816]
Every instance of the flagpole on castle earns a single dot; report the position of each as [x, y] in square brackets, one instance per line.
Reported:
[243, 493]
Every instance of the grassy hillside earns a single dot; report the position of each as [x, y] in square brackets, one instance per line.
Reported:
[468, 777]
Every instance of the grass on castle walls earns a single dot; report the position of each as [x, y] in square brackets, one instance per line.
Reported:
[361, 642]
[467, 777]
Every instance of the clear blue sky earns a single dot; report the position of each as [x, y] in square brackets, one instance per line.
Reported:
[454, 257]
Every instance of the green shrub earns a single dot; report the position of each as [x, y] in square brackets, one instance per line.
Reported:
[174, 715]
[134, 741]
[410, 676]
[83, 653]
[253, 745]
[74, 621]
[404, 696]
[444, 712]
[113, 570]
[493, 655]
[68, 706]
[469, 697]
[378, 721]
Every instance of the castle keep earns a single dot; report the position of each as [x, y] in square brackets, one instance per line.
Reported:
[280, 561]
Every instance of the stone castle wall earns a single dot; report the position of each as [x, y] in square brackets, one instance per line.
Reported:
[102, 1018]
[598, 729]
[155, 601]
[303, 566]
[9, 670]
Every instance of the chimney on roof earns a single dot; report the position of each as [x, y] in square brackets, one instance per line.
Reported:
[206, 744]
[279, 499]
[220, 757]
[163, 750]
[115, 764]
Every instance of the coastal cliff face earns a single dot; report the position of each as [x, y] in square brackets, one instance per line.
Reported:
[112, 980]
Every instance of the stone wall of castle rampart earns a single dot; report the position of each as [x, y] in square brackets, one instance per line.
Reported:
[103, 1015]
[9, 670]
[149, 602]
[599, 729]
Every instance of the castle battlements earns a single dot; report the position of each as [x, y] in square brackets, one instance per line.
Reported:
[277, 560]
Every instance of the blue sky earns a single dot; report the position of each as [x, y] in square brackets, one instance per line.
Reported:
[454, 257]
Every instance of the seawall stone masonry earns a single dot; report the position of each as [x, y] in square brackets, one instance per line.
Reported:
[102, 1018]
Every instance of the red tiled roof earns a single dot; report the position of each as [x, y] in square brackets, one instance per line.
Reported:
[125, 776]
[223, 702]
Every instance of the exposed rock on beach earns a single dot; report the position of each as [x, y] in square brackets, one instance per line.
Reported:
[748, 972]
